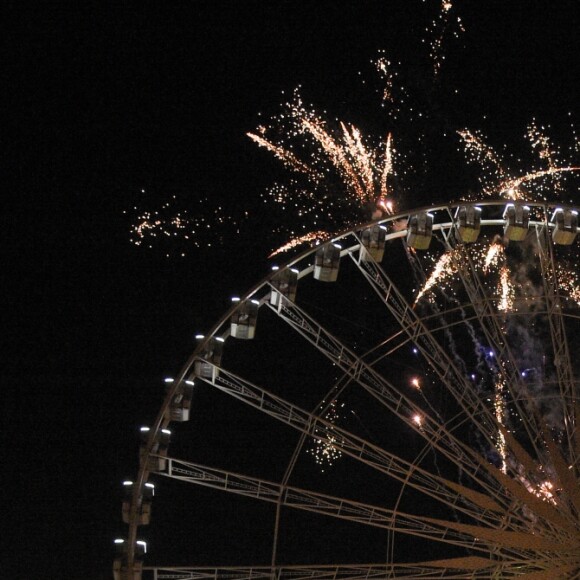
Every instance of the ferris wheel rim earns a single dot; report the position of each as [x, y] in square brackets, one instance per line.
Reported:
[163, 420]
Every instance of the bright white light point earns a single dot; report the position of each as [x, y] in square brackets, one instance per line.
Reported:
[189, 383]
[417, 419]
[415, 351]
[166, 431]
[199, 336]
[119, 541]
[168, 380]
[415, 383]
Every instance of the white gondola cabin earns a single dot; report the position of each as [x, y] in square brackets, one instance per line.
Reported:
[420, 231]
[284, 283]
[327, 262]
[373, 242]
[144, 507]
[244, 318]
[517, 221]
[157, 458]
[120, 571]
[468, 223]
[210, 357]
[180, 405]
[566, 226]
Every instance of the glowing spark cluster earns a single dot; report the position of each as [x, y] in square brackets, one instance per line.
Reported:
[569, 282]
[199, 230]
[326, 451]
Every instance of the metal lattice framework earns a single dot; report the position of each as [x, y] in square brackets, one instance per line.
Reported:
[479, 454]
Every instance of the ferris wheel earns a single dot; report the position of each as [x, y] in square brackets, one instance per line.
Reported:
[398, 402]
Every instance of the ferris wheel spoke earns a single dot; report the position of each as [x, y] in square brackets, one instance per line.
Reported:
[437, 433]
[433, 352]
[450, 569]
[479, 506]
[467, 536]
[561, 353]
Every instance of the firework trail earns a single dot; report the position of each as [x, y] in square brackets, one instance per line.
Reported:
[497, 181]
[441, 26]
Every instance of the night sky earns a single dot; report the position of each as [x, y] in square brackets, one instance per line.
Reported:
[107, 102]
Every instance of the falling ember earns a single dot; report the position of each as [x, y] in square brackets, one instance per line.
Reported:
[418, 420]
[500, 415]
[507, 291]
[383, 67]
[415, 383]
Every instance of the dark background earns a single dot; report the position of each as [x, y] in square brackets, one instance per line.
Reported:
[106, 102]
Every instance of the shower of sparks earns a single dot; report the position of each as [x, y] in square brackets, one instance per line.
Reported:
[488, 259]
[311, 237]
[340, 176]
[444, 269]
[325, 451]
[494, 255]
[363, 169]
[569, 282]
